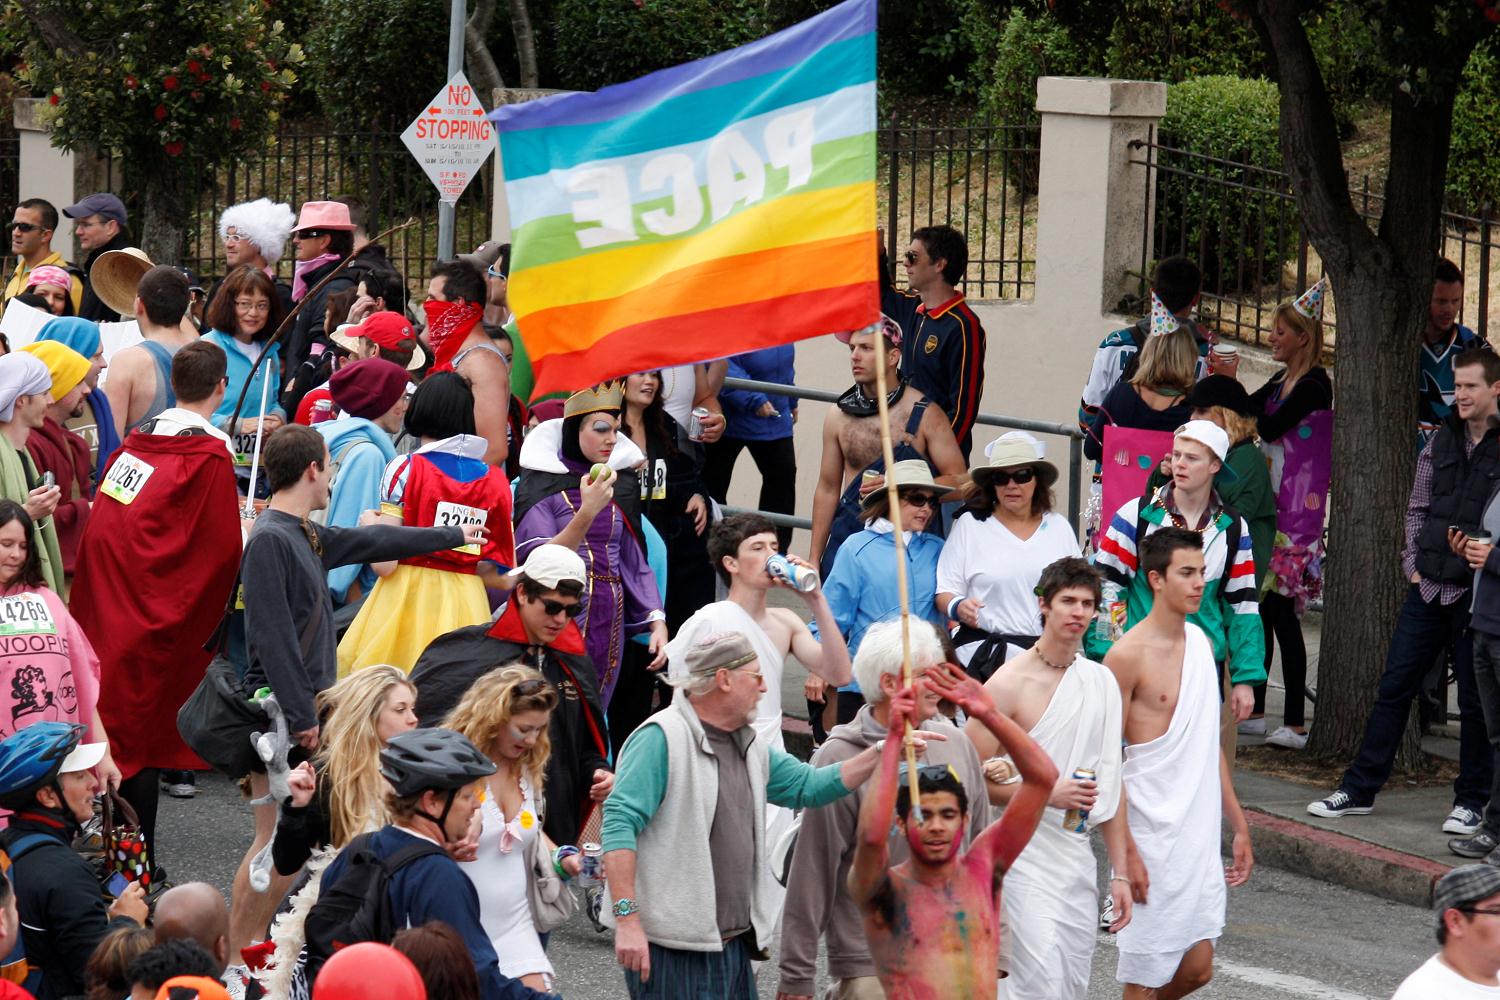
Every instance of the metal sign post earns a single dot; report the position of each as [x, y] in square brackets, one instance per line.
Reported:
[447, 217]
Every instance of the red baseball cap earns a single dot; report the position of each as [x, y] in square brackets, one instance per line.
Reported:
[387, 330]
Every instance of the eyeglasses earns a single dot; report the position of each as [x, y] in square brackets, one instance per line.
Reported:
[555, 608]
[252, 307]
[748, 673]
[921, 499]
[25, 227]
[1018, 476]
[1488, 911]
[911, 257]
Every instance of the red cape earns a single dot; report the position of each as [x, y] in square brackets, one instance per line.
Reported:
[152, 582]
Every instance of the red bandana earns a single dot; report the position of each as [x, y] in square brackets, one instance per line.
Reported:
[448, 323]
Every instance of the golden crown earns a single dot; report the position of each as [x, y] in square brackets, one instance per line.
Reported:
[606, 396]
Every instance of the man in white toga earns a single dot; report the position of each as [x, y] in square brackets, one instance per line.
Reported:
[1177, 781]
[1070, 706]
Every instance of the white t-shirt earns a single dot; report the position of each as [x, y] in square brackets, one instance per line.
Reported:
[1434, 980]
[679, 384]
[500, 881]
[983, 560]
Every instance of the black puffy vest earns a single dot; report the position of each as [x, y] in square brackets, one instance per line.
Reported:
[1461, 487]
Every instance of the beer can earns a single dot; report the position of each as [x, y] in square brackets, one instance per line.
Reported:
[695, 423]
[322, 409]
[1077, 819]
[592, 870]
[797, 577]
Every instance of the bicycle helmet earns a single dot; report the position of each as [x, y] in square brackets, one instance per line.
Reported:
[31, 758]
[432, 759]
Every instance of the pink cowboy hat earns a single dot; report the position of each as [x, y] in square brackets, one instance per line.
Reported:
[331, 215]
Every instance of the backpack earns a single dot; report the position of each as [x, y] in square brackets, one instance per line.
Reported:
[358, 906]
[321, 516]
[14, 967]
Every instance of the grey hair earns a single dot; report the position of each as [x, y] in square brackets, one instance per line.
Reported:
[880, 653]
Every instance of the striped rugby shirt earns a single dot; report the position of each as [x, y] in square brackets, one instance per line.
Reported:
[942, 351]
[1230, 612]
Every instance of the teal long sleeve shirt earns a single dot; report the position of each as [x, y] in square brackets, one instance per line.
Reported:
[641, 781]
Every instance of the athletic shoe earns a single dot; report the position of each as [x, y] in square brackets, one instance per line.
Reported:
[179, 784]
[1253, 727]
[235, 981]
[1107, 914]
[593, 902]
[1340, 803]
[1462, 821]
[1477, 846]
[1287, 738]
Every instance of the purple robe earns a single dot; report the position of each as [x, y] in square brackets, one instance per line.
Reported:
[620, 595]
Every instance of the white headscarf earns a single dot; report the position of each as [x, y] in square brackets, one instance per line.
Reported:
[21, 374]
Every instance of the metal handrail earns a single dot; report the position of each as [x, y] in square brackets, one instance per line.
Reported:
[1069, 431]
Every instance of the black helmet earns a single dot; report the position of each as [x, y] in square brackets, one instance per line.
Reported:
[432, 759]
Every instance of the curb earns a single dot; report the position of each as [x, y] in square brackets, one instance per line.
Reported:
[1332, 857]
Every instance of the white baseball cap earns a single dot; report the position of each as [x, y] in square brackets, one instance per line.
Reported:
[83, 757]
[1208, 434]
[548, 565]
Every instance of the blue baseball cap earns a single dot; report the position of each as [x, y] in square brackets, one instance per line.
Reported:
[103, 204]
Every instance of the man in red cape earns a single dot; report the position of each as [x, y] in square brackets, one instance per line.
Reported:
[155, 568]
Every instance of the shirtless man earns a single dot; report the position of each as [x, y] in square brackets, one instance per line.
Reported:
[1179, 781]
[933, 921]
[456, 295]
[739, 547]
[140, 376]
[851, 440]
[1070, 706]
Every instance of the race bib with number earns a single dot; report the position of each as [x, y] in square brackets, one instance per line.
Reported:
[26, 614]
[457, 515]
[244, 448]
[126, 478]
[654, 481]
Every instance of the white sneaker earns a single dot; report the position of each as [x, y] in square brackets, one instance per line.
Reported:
[1287, 738]
[1253, 727]
[1462, 821]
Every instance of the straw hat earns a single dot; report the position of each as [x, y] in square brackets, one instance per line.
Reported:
[1011, 451]
[115, 276]
[910, 474]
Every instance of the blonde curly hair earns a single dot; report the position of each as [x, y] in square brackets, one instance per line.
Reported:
[493, 700]
[348, 761]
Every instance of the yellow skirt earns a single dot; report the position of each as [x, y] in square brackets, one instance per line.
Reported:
[407, 610]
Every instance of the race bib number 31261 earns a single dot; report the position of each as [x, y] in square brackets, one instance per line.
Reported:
[126, 478]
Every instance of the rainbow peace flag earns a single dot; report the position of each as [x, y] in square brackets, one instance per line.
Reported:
[705, 210]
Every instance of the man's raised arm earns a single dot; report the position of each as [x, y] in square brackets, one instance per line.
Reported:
[1005, 837]
[871, 855]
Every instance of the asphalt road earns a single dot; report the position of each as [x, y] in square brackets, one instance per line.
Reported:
[1287, 936]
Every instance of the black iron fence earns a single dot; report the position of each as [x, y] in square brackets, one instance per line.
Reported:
[1240, 222]
[10, 193]
[308, 163]
[979, 178]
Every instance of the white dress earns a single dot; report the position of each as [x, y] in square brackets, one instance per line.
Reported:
[500, 879]
[985, 561]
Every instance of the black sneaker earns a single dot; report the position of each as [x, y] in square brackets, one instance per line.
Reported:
[1340, 803]
[1480, 845]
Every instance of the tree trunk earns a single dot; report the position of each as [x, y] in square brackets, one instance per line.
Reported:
[520, 26]
[1381, 283]
[162, 234]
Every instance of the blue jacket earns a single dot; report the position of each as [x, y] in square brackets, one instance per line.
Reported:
[862, 589]
[239, 371]
[435, 888]
[365, 451]
[769, 364]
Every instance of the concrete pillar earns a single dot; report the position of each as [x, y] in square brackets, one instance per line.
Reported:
[46, 171]
[1091, 213]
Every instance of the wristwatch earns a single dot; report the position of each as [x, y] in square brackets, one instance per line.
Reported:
[625, 907]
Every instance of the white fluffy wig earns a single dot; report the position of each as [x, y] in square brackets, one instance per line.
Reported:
[263, 222]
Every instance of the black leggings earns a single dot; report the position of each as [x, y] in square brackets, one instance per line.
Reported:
[1278, 616]
[777, 462]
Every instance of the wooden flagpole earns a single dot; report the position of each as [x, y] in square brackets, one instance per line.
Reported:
[888, 451]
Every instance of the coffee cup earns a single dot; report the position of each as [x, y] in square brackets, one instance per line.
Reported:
[1223, 355]
[1480, 536]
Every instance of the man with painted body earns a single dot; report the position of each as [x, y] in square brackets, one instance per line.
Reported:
[933, 922]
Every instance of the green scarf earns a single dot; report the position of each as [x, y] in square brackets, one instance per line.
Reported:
[17, 479]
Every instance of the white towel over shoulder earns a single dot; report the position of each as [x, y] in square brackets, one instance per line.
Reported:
[1175, 816]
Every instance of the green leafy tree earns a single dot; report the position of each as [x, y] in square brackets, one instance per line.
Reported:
[166, 85]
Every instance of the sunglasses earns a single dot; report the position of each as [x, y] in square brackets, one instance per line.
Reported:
[931, 772]
[555, 608]
[1020, 477]
[911, 257]
[921, 500]
[535, 685]
[25, 227]
[494, 272]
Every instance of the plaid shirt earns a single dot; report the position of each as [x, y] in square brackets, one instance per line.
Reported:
[1416, 514]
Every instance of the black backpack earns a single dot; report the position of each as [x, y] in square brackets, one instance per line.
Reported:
[358, 906]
